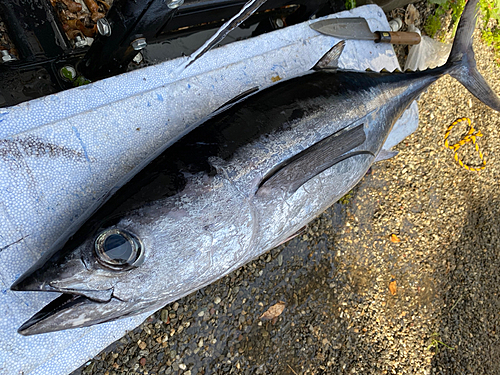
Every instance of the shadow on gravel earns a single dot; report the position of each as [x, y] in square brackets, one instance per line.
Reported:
[470, 275]
[298, 273]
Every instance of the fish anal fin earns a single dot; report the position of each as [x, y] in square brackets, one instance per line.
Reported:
[296, 171]
[330, 60]
[385, 155]
[291, 237]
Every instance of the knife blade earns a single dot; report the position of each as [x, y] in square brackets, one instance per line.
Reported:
[357, 28]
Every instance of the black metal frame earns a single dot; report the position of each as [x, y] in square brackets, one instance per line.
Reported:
[44, 48]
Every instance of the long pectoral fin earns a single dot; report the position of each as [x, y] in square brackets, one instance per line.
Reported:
[296, 171]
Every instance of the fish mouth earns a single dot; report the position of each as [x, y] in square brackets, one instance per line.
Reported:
[72, 309]
[31, 284]
[39, 323]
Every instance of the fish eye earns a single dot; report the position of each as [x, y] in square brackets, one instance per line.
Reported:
[118, 249]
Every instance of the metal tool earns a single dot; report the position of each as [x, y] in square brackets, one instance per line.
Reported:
[357, 28]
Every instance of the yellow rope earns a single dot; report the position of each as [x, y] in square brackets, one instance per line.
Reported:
[470, 137]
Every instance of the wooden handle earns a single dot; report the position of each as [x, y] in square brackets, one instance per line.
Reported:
[398, 37]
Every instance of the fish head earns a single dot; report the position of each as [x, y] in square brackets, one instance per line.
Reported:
[97, 275]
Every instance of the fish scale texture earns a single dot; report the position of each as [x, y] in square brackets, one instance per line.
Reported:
[61, 153]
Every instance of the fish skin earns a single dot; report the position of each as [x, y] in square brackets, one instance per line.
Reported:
[213, 213]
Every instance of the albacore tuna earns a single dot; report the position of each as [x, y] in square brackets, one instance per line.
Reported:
[237, 186]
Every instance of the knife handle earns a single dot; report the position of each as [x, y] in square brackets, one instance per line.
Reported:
[398, 37]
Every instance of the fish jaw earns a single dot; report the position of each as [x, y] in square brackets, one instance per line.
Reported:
[87, 292]
[73, 311]
[65, 272]
[80, 305]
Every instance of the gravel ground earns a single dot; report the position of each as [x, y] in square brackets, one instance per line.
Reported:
[401, 276]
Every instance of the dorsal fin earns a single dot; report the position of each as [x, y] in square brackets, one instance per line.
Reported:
[330, 60]
[296, 171]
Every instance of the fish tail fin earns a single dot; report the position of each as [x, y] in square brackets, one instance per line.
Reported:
[462, 64]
